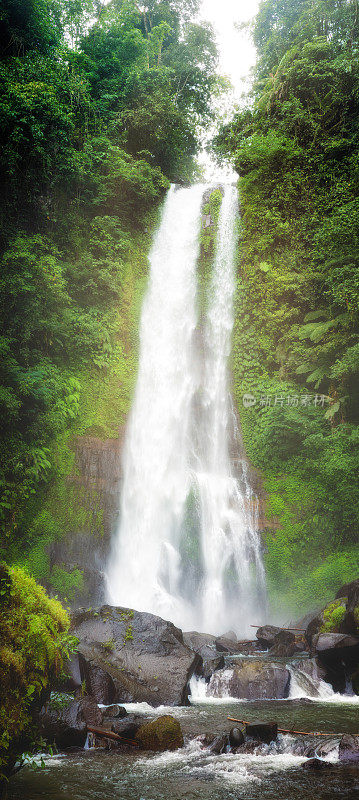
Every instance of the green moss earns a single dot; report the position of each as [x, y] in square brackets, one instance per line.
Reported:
[66, 583]
[34, 642]
[333, 615]
[161, 734]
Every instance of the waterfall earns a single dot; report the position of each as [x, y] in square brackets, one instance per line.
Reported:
[187, 547]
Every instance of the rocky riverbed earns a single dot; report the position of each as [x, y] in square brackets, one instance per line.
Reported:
[138, 686]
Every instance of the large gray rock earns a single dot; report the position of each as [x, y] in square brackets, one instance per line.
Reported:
[204, 645]
[349, 748]
[224, 645]
[333, 641]
[66, 724]
[130, 656]
[338, 653]
[251, 680]
[284, 644]
[195, 640]
[266, 635]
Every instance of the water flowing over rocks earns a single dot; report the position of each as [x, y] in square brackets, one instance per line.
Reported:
[131, 656]
[251, 680]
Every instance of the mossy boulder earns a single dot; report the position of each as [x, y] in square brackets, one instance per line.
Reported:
[163, 733]
[333, 616]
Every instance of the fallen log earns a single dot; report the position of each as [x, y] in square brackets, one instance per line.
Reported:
[285, 730]
[111, 735]
[302, 630]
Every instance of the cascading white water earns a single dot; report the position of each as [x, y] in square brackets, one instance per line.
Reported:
[233, 575]
[187, 546]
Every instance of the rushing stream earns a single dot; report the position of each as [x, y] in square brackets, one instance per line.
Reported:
[187, 547]
[195, 774]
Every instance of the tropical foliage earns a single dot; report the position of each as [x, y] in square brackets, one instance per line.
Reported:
[295, 146]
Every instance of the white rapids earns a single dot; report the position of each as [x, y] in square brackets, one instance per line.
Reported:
[187, 547]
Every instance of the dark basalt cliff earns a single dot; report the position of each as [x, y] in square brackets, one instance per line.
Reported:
[95, 483]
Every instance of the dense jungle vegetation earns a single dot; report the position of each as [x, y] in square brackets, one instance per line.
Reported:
[295, 146]
[102, 104]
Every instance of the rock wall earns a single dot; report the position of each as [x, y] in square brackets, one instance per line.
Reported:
[95, 485]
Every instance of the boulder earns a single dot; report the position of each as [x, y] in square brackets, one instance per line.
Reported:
[114, 712]
[231, 635]
[127, 726]
[224, 645]
[316, 764]
[251, 680]
[263, 731]
[204, 645]
[266, 635]
[284, 644]
[66, 724]
[161, 734]
[333, 641]
[338, 653]
[349, 748]
[195, 641]
[132, 656]
[236, 737]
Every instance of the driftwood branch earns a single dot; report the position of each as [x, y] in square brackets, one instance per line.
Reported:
[284, 730]
[111, 735]
[302, 630]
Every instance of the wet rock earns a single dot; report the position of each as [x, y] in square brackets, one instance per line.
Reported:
[204, 646]
[195, 641]
[130, 656]
[231, 635]
[355, 681]
[248, 748]
[263, 731]
[308, 674]
[224, 645]
[283, 644]
[114, 712]
[251, 680]
[266, 635]
[236, 737]
[338, 655]
[66, 725]
[349, 748]
[350, 591]
[336, 648]
[99, 683]
[161, 734]
[316, 764]
[127, 726]
[220, 744]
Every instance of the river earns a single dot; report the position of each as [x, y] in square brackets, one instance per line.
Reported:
[192, 772]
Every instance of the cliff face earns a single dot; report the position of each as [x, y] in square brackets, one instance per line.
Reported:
[96, 486]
